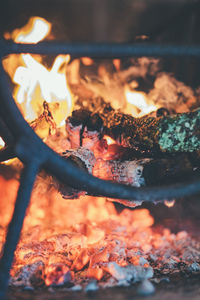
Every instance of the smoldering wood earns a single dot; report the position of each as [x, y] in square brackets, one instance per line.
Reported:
[82, 158]
[84, 128]
[148, 134]
[137, 173]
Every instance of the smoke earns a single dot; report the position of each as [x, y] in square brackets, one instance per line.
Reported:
[172, 94]
[143, 74]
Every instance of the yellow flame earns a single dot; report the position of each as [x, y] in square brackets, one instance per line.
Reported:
[139, 104]
[33, 32]
[52, 86]
[169, 203]
[109, 140]
[35, 82]
[2, 143]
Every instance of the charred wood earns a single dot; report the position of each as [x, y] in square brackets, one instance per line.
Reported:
[131, 172]
[82, 158]
[148, 134]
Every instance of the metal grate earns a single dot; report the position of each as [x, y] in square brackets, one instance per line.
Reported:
[22, 141]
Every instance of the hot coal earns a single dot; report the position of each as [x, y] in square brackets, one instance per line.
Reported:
[118, 251]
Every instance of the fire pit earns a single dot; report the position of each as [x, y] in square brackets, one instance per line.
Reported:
[100, 242]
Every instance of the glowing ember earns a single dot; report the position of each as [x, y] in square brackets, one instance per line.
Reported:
[109, 140]
[91, 240]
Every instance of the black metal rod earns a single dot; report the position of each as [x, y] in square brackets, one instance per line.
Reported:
[7, 153]
[5, 133]
[26, 184]
[100, 50]
[71, 175]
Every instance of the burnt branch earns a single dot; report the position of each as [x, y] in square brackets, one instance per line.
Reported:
[148, 134]
[136, 173]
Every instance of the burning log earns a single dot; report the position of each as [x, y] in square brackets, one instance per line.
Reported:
[136, 173]
[148, 134]
[84, 128]
[85, 160]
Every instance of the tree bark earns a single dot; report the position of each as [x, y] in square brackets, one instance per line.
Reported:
[148, 134]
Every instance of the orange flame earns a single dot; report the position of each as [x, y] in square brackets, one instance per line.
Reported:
[36, 83]
[87, 61]
[109, 140]
[138, 104]
[33, 32]
[2, 143]
[169, 203]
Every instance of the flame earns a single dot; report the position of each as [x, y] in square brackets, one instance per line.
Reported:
[138, 104]
[169, 203]
[117, 63]
[35, 82]
[33, 32]
[2, 143]
[109, 140]
[87, 61]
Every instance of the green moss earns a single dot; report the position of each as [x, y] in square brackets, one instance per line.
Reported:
[180, 133]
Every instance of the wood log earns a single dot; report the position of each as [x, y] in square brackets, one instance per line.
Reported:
[176, 133]
[137, 173]
[148, 134]
[82, 158]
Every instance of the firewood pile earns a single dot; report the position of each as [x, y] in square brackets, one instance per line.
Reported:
[158, 148]
[102, 247]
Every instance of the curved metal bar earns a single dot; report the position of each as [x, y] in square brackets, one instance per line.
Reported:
[5, 133]
[27, 180]
[100, 50]
[7, 153]
[71, 175]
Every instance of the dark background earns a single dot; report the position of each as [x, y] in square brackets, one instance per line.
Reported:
[110, 20]
[160, 21]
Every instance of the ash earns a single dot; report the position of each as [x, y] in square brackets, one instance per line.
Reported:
[115, 250]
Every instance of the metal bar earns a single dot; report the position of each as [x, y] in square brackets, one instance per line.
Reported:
[100, 50]
[72, 175]
[26, 184]
[5, 133]
[7, 153]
